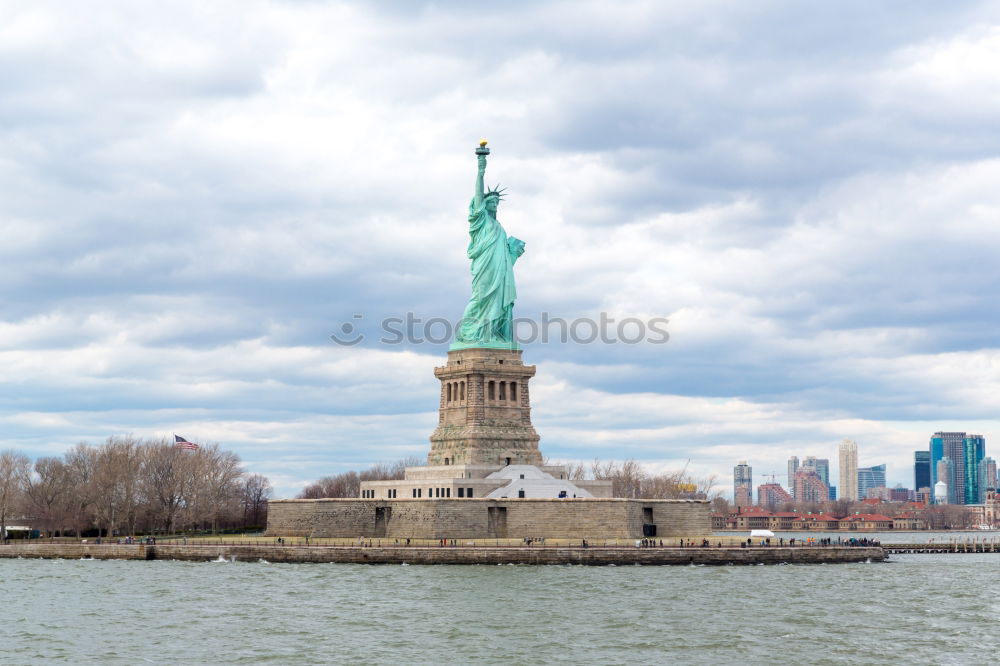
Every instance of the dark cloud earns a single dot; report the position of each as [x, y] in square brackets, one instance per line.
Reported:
[193, 203]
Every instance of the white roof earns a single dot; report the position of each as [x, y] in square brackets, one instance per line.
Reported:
[535, 483]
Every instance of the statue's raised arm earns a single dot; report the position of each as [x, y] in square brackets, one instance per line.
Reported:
[481, 152]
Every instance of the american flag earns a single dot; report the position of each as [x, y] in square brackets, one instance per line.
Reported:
[184, 444]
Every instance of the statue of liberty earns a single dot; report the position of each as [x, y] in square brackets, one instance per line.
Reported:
[488, 318]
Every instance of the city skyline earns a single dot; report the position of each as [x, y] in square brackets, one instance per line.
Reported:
[968, 477]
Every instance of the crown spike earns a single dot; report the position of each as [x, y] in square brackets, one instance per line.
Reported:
[496, 191]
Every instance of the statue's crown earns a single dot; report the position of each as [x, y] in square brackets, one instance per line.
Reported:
[497, 192]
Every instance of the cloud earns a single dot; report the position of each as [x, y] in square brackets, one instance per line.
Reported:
[194, 199]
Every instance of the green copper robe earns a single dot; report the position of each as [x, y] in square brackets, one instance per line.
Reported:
[488, 318]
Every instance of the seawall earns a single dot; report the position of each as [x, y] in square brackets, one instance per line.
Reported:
[576, 518]
[451, 555]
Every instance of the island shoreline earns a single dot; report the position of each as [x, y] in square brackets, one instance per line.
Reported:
[541, 555]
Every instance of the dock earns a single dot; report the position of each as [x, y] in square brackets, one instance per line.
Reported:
[940, 548]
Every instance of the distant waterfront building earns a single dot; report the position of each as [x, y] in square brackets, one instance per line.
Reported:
[819, 465]
[809, 487]
[991, 508]
[921, 469]
[848, 470]
[772, 495]
[987, 478]
[793, 467]
[945, 471]
[743, 478]
[870, 477]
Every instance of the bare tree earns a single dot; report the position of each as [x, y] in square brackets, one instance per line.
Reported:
[626, 478]
[840, 508]
[670, 485]
[218, 476]
[116, 484]
[14, 470]
[381, 471]
[81, 472]
[256, 491]
[947, 516]
[46, 491]
[166, 477]
[347, 484]
[704, 486]
[130, 484]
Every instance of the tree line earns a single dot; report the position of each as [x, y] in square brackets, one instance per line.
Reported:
[348, 484]
[631, 480]
[131, 486]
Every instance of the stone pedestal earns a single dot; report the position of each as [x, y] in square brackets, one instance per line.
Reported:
[485, 410]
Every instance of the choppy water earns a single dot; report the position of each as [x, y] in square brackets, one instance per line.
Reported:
[916, 609]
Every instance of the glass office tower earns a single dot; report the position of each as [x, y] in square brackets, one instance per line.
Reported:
[922, 470]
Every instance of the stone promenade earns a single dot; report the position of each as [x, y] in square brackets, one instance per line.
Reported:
[493, 555]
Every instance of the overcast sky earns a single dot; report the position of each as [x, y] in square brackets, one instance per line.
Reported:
[194, 196]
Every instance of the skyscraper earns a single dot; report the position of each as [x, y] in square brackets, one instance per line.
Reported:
[809, 487]
[848, 487]
[743, 478]
[973, 452]
[793, 467]
[772, 495]
[945, 470]
[965, 452]
[819, 465]
[870, 477]
[950, 445]
[921, 469]
[937, 452]
[987, 478]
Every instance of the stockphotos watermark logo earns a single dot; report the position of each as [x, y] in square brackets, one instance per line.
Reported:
[411, 329]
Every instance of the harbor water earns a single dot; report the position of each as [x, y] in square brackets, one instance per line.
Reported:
[941, 609]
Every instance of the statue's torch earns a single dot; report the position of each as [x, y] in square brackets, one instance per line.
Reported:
[482, 149]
